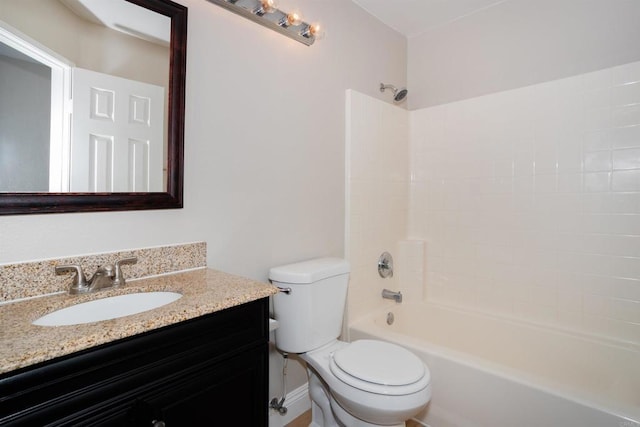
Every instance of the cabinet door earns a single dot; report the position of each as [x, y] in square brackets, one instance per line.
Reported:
[230, 393]
[193, 373]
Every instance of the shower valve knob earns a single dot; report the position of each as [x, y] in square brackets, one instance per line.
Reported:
[385, 265]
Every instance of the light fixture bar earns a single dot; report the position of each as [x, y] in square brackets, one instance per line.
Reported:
[275, 20]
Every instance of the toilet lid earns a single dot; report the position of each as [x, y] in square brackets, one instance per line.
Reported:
[379, 363]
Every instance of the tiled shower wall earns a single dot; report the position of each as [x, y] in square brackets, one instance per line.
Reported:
[529, 202]
[377, 172]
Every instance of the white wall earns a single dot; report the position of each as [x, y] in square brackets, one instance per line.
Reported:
[520, 42]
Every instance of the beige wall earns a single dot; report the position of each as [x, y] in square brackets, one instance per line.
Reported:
[264, 147]
[86, 44]
[24, 125]
[518, 43]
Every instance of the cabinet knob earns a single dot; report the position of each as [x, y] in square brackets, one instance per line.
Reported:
[156, 423]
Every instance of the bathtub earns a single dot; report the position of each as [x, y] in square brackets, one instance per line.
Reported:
[493, 372]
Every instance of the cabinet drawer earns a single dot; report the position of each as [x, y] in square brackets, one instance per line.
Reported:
[229, 393]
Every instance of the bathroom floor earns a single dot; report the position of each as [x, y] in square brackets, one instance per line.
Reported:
[305, 419]
[302, 421]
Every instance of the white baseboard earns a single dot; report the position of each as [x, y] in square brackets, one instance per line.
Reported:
[297, 403]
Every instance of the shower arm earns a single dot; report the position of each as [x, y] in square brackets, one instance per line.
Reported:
[398, 94]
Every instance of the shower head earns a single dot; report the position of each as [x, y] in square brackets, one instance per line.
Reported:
[398, 94]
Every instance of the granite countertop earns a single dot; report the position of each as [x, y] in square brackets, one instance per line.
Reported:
[204, 291]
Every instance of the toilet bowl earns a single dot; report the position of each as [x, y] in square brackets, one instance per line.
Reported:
[365, 383]
[369, 383]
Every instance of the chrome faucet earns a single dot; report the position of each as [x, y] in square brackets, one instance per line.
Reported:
[102, 278]
[396, 296]
[107, 276]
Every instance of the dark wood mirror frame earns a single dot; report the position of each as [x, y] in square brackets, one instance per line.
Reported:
[40, 203]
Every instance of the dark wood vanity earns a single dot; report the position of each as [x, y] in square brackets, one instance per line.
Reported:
[211, 370]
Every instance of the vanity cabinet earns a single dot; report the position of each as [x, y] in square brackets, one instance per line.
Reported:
[212, 370]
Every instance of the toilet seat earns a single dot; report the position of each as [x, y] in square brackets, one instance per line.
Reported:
[379, 367]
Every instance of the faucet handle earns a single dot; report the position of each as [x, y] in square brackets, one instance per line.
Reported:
[385, 265]
[79, 283]
[118, 277]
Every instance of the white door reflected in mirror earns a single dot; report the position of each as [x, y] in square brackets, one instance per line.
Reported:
[44, 147]
[117, 134]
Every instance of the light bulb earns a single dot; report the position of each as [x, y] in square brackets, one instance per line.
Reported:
[294, 18]
[265, 6]
[313, 30]
[290, 19]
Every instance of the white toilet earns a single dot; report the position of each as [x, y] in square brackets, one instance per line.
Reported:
[360, 384]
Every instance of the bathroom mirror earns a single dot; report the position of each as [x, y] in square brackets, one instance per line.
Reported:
[166, 75]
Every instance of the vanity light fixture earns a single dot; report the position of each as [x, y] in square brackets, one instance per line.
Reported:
[266, 13]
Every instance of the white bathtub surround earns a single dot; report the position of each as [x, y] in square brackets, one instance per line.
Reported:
[528, 204]
[410, 269]
[488, 371]
[377, 195]
[529, 201]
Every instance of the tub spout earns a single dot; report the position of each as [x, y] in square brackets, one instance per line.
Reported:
[396, 296]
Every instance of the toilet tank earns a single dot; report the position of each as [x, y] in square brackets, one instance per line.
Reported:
[311, 314]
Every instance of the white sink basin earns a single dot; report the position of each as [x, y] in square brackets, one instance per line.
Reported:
[107, 308]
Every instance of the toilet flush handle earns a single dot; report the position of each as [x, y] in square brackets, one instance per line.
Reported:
[281, 289]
